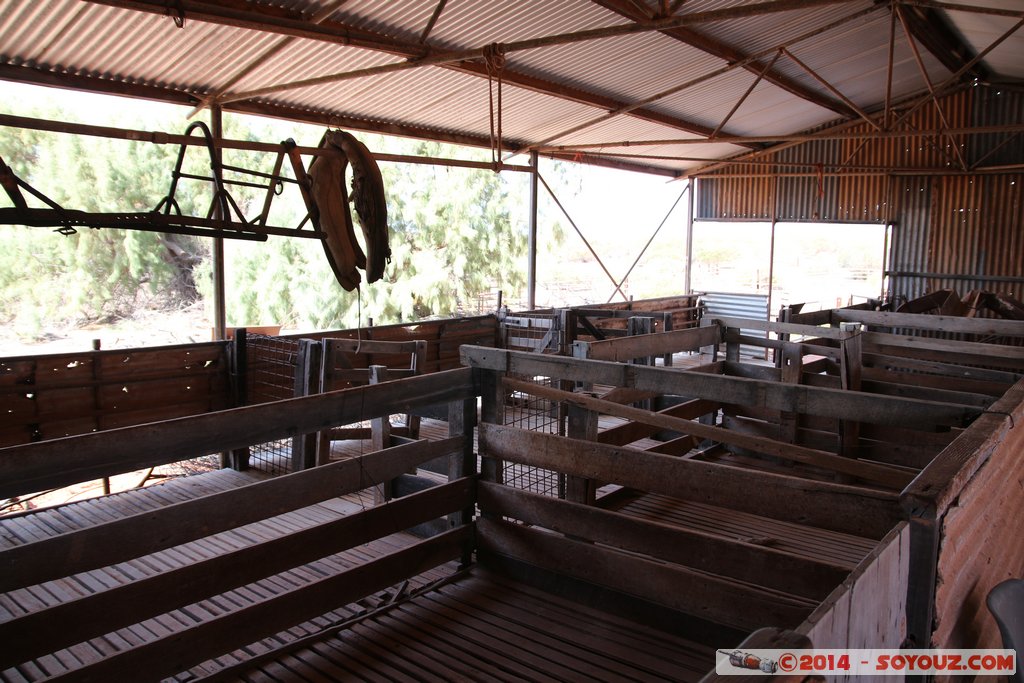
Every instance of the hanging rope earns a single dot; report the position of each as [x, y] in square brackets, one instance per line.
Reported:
[494, 60]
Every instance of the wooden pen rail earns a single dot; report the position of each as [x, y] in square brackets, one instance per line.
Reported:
[61, 462]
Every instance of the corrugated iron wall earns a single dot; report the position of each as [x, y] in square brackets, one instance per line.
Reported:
[951, 231]
[981, 543]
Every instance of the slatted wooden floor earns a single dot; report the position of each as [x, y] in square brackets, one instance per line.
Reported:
[484, 627]
[841, 549]
[479, 626]
[24, 528]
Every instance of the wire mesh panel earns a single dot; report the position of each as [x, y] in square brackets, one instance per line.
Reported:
[537, 415]
[272, 363]
[532, 331]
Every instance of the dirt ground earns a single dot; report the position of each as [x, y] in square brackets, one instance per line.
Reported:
[146, 328]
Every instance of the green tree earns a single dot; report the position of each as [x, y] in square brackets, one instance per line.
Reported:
[455, 233]
[93, 275]
[453, 236]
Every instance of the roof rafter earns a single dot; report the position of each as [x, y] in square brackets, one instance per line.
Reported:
[245, 14]
[36, 76]
[729, 53]
[930, 29]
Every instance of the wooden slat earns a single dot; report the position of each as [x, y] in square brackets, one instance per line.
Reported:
[696, 593]
[868, 610]
[919, 379]
[968, 353]
[879, 474]
[748, 562]
[840, 549]
[59, 626]
[945, 369]
[674, 341]
[149, 531]
[177, 651]
[855, 510]
[782, 327]
[629, 432]
[939, 323]
[40, 466]
[648, 653]
[940, 483]
[803, 399]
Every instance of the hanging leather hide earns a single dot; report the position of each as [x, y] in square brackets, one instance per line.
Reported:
[329, 194]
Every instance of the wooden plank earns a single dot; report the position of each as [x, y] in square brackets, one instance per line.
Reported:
[780, 327]
[675, 341]
[944, 369]
[177, 651]
[918, 379]
[40, 466]
[742, 391]
[688, 591]
[855, 510]
[868, 609]
[965, 398]
[883, 475]
[812, 318]
[758, 565]
[968, 353]
[626, 433]
[940, 483]
[938, 323]
[375, 346]
[127, 537]
[77, 620]
[581, 424]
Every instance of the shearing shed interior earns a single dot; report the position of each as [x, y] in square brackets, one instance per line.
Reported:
[619, 491]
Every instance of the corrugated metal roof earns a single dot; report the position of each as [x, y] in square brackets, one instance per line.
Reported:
[550, 90]
[980, 30]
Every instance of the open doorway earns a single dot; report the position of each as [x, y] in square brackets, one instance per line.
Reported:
[821, 264]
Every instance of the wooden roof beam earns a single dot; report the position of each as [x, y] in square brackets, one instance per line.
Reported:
[729, 53]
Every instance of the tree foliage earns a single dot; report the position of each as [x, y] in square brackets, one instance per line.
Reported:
[454, 236]
[455, 233]
[94, 275]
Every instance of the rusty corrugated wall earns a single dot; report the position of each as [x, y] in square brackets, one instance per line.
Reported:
[981, 543]
[951, 231]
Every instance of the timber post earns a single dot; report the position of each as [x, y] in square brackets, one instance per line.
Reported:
[307, 383]
[238, 459]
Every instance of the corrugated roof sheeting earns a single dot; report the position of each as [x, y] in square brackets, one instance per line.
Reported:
[303, 59]
[957, 232]
[193, 58]
[430, 95]
[981, 30]
[626, 128]
[474, 24]
[105, 43]
[854, 59]
[768, 110]
[628, 67]
[405, 20]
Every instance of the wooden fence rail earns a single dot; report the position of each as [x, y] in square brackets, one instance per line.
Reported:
[40, 466]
